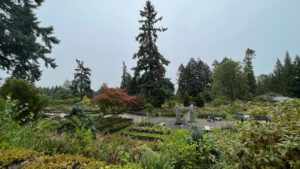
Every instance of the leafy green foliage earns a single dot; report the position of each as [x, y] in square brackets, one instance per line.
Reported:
[77, 119]
[188, 154]
[156, 160]
[229, 81]
[26, 94]
[274, 144]
[13, 134]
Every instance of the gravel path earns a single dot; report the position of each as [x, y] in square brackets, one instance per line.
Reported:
[170, 121]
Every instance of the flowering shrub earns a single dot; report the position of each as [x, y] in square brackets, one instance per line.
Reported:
[115, 101]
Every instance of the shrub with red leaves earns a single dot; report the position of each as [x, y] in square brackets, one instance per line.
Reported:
[115, 101]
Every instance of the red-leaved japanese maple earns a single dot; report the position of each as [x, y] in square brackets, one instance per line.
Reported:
[115, 101]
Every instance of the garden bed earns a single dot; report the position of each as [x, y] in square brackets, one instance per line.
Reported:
[111, 124]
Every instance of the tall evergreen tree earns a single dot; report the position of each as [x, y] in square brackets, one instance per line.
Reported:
[81, 85]
[248, 70]
[287, 76]
[276, 77]
[23, 43]
[126, 78]
[296, 82]
[194, 78]
[150, 65]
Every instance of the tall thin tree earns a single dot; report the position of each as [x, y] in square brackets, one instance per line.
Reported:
[81, 85]
[248, 70]
[150, 65]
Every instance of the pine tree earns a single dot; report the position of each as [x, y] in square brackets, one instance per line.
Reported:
[248, 70]
[276, 77]
[81, 85]
[126, 78]
[23, 43]
[150, 65]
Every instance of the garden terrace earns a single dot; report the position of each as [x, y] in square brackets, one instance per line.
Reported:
[147, 131]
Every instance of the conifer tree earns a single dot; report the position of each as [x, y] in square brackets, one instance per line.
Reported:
[81, 85]
[23, 43]
[194, 78]
[248, 70]
[296, 82]
[151, 83]
[126, 78]
[287, 75]
[276, 77]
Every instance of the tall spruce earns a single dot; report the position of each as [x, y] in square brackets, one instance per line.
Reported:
[23, 43]
[81, 85]
[276, 77]
[288, 75]
[248, 70]
[126, 78]
[151, 82]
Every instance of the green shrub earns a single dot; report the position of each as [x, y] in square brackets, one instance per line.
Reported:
[26, 94]
[187, 154]
[13, 134]
[15, 156]
[56, 145]
[220, 100]
[171, 104]
[76, 119]
[274, 144]
[199, 100]
[186, 99]
[156, 160]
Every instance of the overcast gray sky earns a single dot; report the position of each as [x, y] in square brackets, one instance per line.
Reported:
[102, 34]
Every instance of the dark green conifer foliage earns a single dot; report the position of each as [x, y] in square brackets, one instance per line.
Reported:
[186, 99]
[150, 71]
[81, 85]
[126, 78]
[276, 77]
[194, 78]
[296, 83]
[288, 76]
[199, 100]
[23, 43]
[248, 70]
